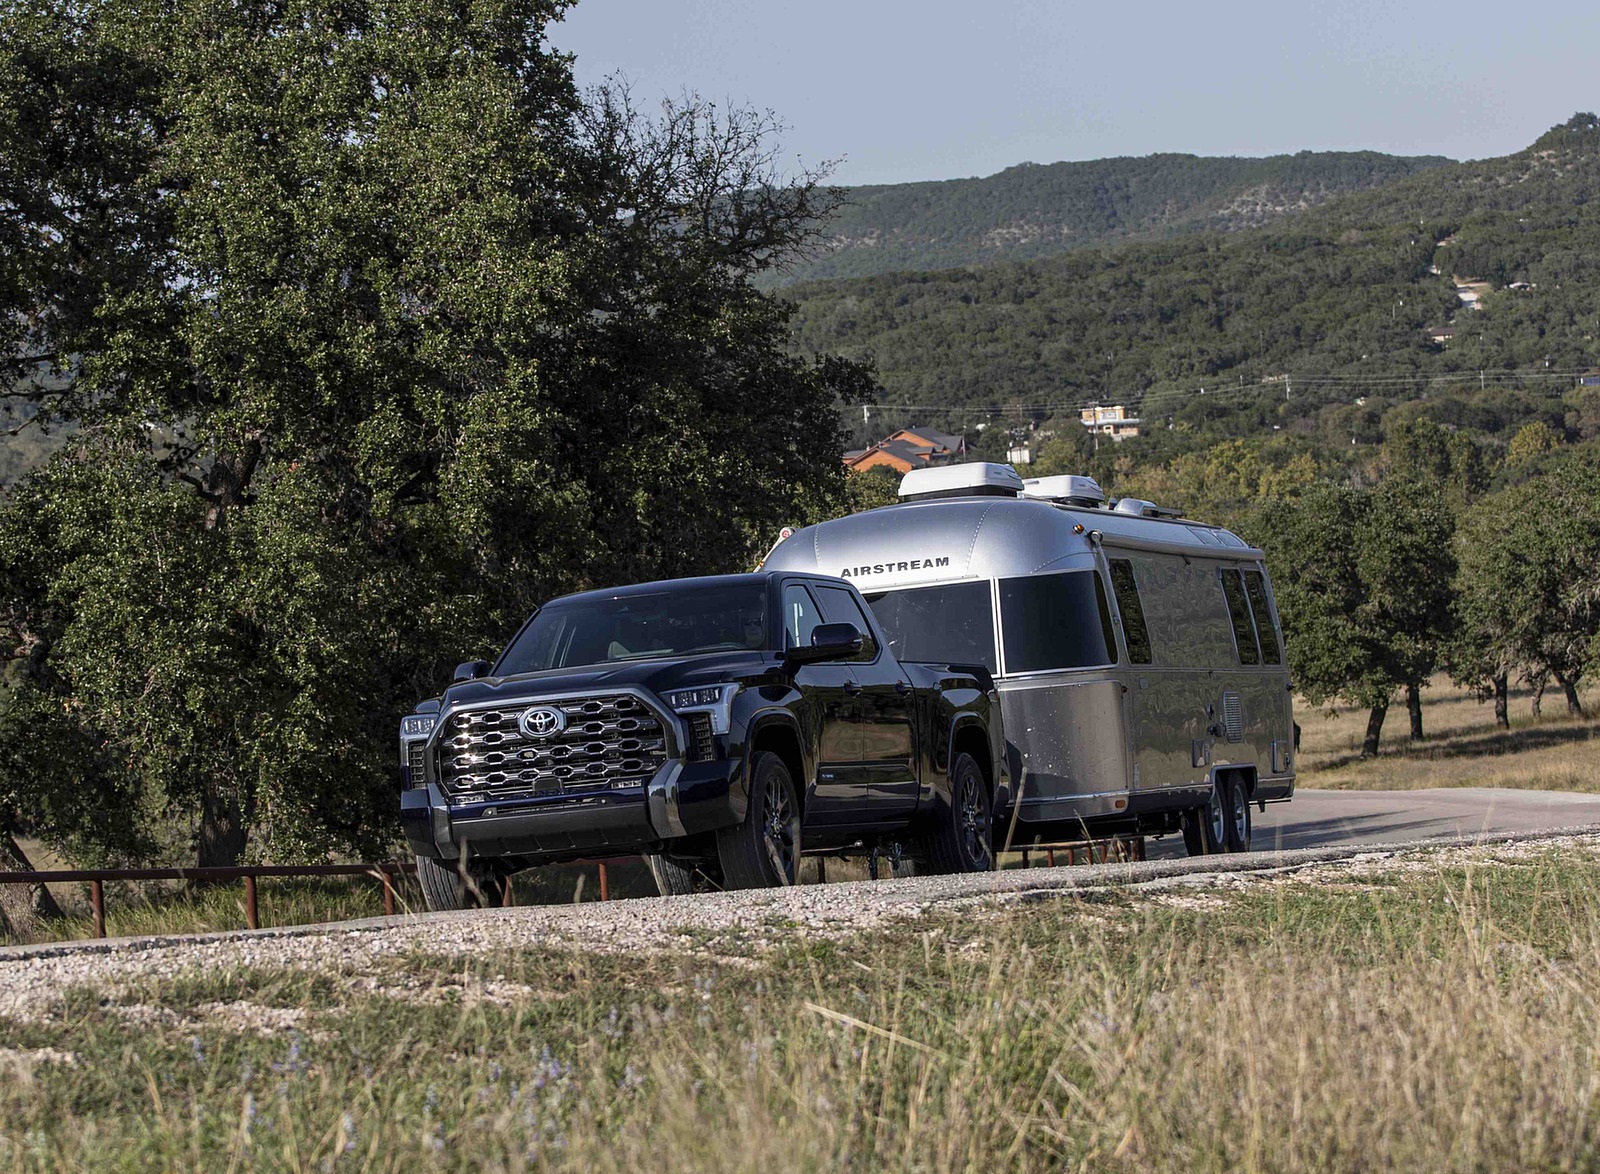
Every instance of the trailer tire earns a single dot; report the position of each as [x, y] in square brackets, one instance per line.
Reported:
[960, 836]
[448, 885]
[1205, 828]
[762, 851]
[1239, 820]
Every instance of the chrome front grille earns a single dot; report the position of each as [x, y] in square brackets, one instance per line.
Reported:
[610, 742]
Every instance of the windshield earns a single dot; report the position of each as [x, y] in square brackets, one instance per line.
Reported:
[670, 622]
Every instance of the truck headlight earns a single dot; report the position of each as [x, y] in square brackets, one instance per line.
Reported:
[716, 700]
[418, 725]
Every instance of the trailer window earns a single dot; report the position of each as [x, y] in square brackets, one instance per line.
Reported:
[1057, 621]
[951, 624]
[1244, 635]
[1131, 607]
[1255, 587]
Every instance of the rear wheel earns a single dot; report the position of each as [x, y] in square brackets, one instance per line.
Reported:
[455, 884]
[763, 850]
[960, 837]
[1239, 821]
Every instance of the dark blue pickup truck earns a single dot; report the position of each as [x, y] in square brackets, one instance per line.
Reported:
[720, 726]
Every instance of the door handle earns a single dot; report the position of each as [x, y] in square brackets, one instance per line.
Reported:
[902, 688]
[851, 689]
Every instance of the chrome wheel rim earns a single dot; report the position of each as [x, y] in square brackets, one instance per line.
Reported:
[1217, 813]
[781, 831]
[1241, 816]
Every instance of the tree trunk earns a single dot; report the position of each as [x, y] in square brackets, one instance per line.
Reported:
[222, 830]
[1569, 686]
[1538, 693]
[1414, 709]
[44, 905]
[1369, 745]
[1502, 717]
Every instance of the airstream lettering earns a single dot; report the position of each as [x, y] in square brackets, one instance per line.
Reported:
[1138, 654]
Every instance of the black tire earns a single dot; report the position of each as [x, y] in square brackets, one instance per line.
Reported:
[449, 885]
[1205, 829]
[960, 834]
[678, 878]
[1239, 820]
[763, 850]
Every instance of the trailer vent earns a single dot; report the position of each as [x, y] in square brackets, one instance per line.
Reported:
[1232, 717]
[1140, 508]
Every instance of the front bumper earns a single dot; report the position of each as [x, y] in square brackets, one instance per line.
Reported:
[686, 799]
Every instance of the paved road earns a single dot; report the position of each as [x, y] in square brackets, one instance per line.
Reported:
[1315, 819]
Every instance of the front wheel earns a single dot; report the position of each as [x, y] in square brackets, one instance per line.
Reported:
[763, 850]
[457, 884]
[680, 878]
[960, 837]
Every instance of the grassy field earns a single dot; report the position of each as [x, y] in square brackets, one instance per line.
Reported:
[1462, 747]
[1434, 1016]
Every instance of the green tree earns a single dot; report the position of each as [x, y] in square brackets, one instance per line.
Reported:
[1363, 579]
[375, 333]
[1529, 583]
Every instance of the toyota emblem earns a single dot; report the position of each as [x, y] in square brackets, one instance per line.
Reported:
[542, 721]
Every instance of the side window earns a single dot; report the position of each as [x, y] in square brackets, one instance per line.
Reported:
[1256, 588]
[1055, 621]
[800, 616]
[1244, 634]
[1131, 606]
[840, 607]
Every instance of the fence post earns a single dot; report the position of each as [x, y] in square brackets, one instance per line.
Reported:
[388, 892]
[97, 900]
[252, 919]
[605, 882]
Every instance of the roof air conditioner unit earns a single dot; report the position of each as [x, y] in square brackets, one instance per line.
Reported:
[975, 480]
[1140, 508]
[1066, 490]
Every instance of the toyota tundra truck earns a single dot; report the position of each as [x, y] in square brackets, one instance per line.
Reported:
[720, 727]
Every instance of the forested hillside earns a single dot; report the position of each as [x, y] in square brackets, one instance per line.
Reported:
[1034, 210]
[1347, 290]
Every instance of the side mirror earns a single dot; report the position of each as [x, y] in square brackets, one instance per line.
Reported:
[470, 671]
[830, 642]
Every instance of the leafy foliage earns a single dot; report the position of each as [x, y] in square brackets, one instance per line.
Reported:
[373, 335]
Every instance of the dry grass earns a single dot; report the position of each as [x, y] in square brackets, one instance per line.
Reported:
[1429, 1018]
[1462, 747]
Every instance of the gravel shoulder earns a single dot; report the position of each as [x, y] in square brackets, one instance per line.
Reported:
[34, 978]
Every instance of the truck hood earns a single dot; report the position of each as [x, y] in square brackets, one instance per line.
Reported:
[654, 675]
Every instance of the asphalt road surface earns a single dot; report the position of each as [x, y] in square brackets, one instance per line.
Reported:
[1316, 819]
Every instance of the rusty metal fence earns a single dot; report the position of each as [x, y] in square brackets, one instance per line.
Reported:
[96, 879]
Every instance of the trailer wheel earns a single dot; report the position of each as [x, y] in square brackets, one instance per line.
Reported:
[960, 837]
[450, 885]
[763, 851]
[1205, 829]
[1239, 822]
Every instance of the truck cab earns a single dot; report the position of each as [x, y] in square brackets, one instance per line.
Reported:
[721, 726]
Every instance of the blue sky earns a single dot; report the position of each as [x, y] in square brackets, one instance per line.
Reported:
[936, 90]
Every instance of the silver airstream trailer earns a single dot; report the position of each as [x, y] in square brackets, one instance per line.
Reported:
[1137, 654]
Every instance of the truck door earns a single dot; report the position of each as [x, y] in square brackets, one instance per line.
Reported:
[886, 713]
[832, 718]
